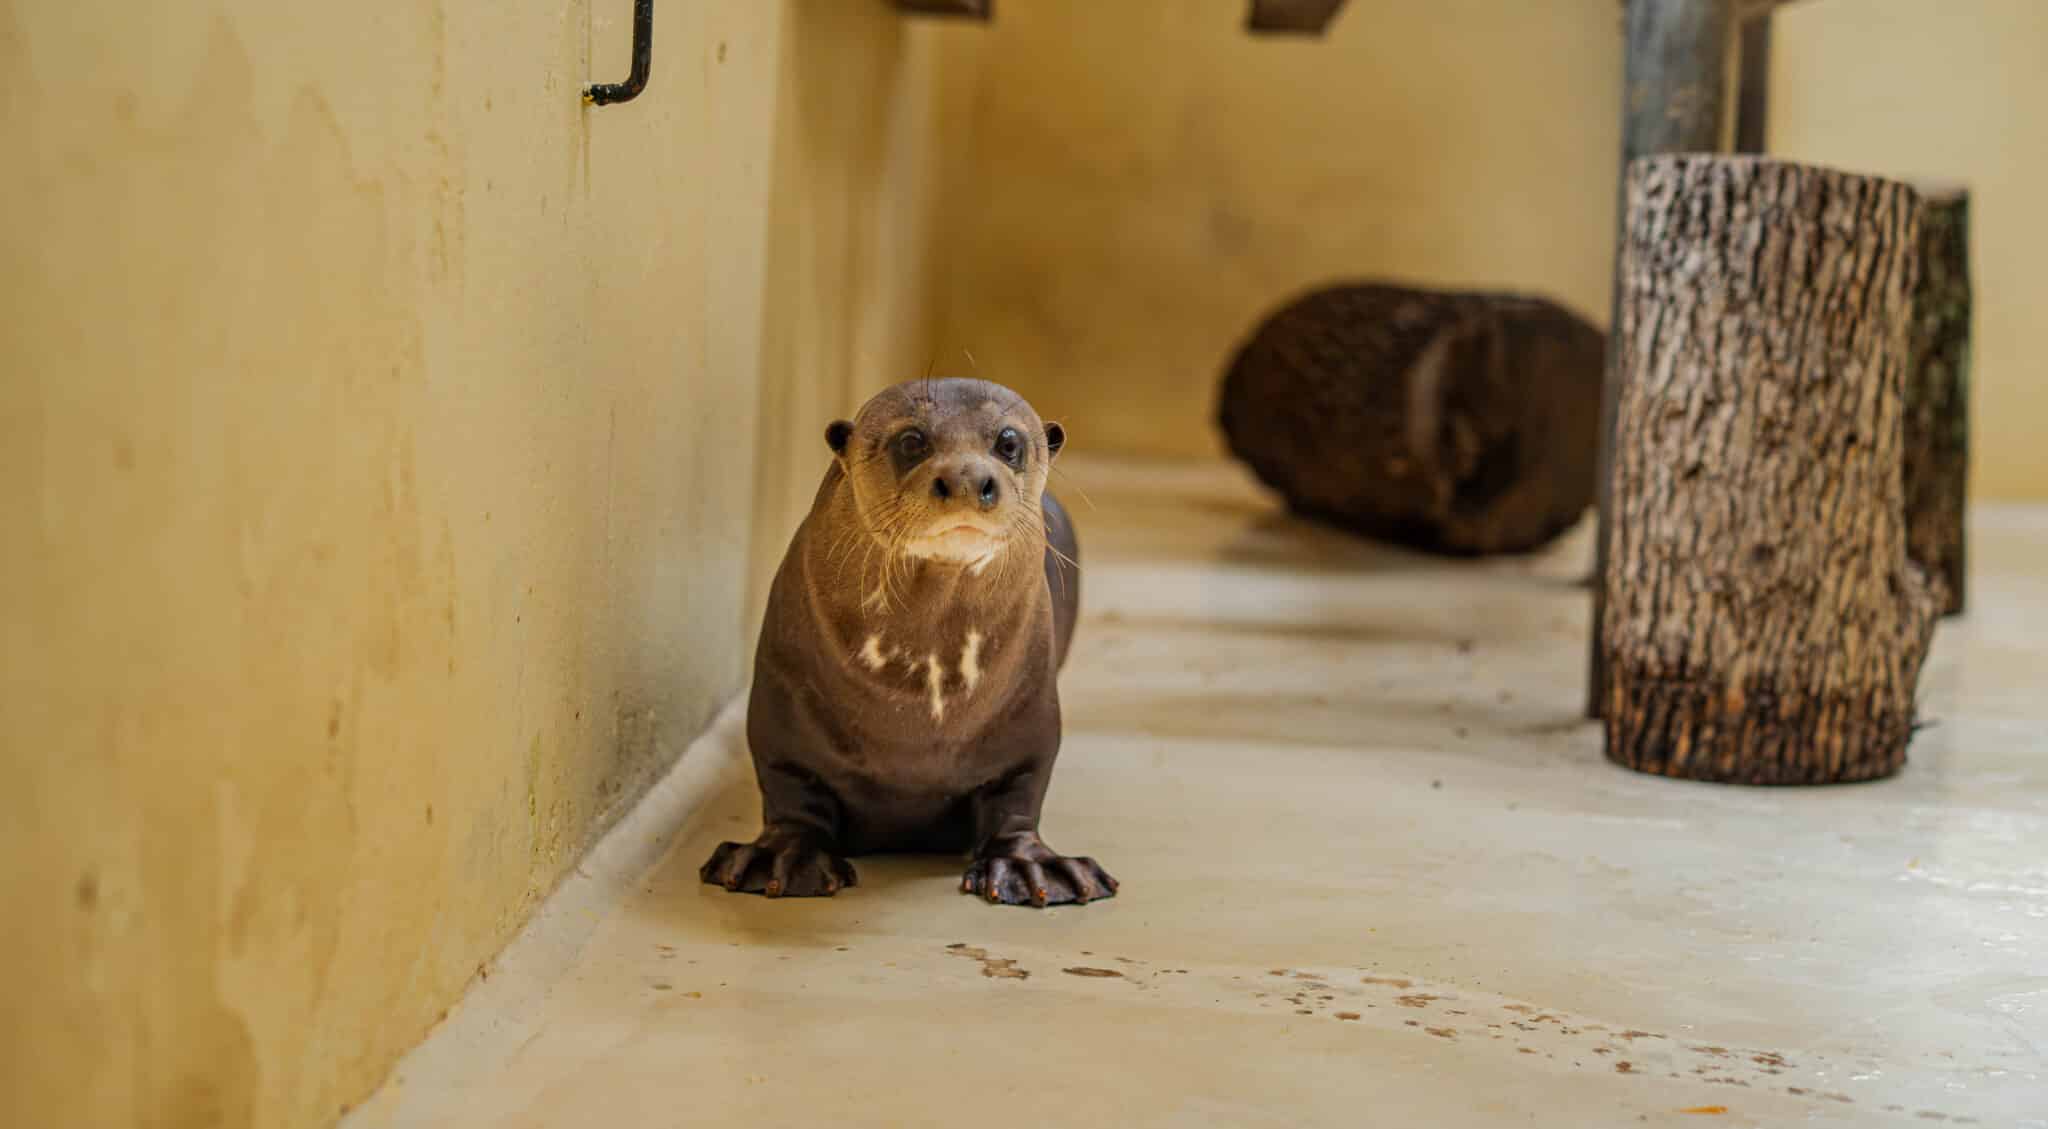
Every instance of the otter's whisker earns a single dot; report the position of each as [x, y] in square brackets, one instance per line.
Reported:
[1069, 480]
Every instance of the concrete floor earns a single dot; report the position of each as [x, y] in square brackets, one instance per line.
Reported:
[1375, 872]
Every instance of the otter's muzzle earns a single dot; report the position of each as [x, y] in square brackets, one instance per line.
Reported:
[967, 482]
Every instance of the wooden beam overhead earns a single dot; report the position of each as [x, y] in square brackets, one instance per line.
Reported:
[1291, 17]
[965, 9]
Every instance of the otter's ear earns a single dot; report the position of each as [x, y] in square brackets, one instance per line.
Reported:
[837, 435]
[1055, 438]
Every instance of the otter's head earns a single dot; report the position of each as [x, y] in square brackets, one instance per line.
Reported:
[948, 470]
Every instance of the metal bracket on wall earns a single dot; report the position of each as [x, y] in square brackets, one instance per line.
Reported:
[608, 93]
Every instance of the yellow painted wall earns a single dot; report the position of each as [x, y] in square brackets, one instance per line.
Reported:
[392, 449]
[1956, 90]
[377, 449]
[1129, 187]
[848, 253]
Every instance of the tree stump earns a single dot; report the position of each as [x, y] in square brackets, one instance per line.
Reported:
[1674, 99]
[1458, 423]
[1763, 623]
[1937, 468]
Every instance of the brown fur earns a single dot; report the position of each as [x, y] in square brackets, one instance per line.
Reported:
[905, 693]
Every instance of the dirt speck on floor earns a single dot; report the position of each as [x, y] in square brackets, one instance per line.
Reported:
[1083, 970]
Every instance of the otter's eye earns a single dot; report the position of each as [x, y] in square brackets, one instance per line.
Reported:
[1010, 446]
[912, 444]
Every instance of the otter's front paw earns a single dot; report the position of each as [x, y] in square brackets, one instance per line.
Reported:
[779, 866]
[1023, 871]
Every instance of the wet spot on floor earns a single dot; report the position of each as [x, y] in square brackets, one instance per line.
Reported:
[995, 968]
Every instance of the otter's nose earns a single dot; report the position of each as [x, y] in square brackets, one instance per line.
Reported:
[967, 483]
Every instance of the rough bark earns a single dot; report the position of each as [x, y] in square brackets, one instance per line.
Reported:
[1452, 422]
[1675, 99]
[1763, 625]
[1937, 393]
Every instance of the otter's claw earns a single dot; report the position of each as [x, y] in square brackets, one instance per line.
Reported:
[779, 866]
[1030, 874]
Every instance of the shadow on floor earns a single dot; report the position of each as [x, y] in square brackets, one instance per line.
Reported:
[1538, 732]
[688, 909]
